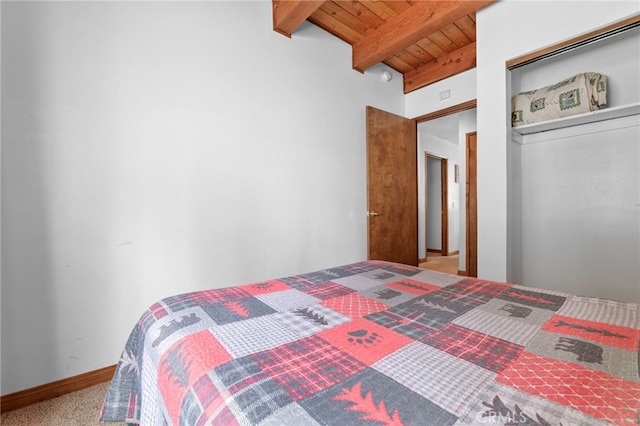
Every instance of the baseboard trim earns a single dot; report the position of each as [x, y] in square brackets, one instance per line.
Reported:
[451, 253]
[462, 273]
[24, 398]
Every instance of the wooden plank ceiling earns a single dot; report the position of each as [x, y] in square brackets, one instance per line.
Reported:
[425, 41]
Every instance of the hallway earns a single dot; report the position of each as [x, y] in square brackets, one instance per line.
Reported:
[437, 262]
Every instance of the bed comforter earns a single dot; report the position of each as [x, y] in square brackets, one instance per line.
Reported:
[379, 343]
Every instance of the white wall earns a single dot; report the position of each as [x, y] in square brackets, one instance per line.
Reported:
[461, 87]
[501, 37]
[433, 205]
[150, 149]
[580, 210]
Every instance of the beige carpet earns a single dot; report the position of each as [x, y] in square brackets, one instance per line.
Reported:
[79, 408]
[448, 264]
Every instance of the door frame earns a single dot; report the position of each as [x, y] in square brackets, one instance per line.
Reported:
[444, 200]
[471, 214]
[441, 113]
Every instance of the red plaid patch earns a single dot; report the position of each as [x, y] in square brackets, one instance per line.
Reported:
[483, 350]
[219, 295]
[325, 290]
[307, 366]
[213, 403]
[158, 310]
[485, 290]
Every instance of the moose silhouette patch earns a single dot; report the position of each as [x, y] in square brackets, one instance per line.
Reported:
[516, 311]
[587, 352]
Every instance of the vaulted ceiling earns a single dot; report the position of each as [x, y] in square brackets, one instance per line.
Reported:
[425, 41]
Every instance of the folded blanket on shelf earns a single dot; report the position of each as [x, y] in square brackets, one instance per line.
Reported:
[581, 93]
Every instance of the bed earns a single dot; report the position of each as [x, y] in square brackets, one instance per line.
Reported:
[376, 343]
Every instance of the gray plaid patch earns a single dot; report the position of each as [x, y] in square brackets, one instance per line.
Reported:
[288, 299]
[253, 335]
[257, 401]
[365, 281]
[488, 323]
[310, 319]
[523, 314]
[445, 380]
[251, 400]
[560, 294]
[600, 310]
[290, 414]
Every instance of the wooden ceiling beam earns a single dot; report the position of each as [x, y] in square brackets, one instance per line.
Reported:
[445, 66]
[405, 29]
[290, 14]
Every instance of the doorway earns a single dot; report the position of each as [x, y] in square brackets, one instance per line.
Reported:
[392, 232]
[445, 135]
[436, 205]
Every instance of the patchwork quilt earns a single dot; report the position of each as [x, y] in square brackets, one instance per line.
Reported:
[377, 343]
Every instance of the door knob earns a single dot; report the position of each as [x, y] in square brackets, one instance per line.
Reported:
[372, 213]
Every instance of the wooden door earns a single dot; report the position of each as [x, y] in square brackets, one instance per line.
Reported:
[472, 207]
[392, 188]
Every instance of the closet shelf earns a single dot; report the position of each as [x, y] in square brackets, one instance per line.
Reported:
[575, 120]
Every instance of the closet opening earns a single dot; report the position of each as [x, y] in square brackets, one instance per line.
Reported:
[573, 211]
